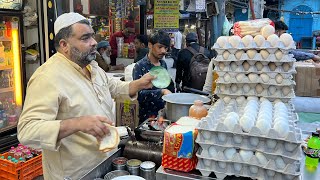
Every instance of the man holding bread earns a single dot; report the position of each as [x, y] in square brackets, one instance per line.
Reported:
[68, 105]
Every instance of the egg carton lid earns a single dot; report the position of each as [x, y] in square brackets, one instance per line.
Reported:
[290, 168]
[270, 74]
[244, 172]
[279, 150]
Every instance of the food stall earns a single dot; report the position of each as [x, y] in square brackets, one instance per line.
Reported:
[251, 130]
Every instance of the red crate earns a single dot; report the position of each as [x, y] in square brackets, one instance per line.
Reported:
[21, 171]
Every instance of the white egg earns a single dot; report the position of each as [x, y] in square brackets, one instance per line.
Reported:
[286, 39]
[259, 88]
[272, 66]
[272, 89]
[240, 100]
[222, 137]
[227, 99]
[279, 78]
[264, 53]
[222, 165]
[222, 41]
[265, 101]
[280, 163]
[251, 53]
[246, 123]
[237, 139]
[239, 54]
[247, 40]
[234, 41]
[255, 98]
[264, 77]
[231, 121]
[254, 141]
[229, 153]
[207, 162]
[240, 77]
[274, 40]
[259, 40]
[279, 104]
[227, 77]
[278, 54]
[222, 87]
[253, 169]
[286, 90]
[290, 146]
[270, 173]
[253, 77]
[226, 55]
[267, 30]
[282, 128]
[281, 116]
[285, 67]
[261, 158]
[246, 88]
[233, 66]
[237, 166]
[271, 143]
[246, 66]
[221, 66]
[259, 66]
[234, 88]
[245, 155]
[264, 125]
[212, 151]
[267, 117]
[206, 135]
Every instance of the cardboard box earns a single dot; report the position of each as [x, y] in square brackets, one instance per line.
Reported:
[127, 112]
[307, 79]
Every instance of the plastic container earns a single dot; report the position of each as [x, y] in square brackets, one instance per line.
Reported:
[197, 110]
[119, 163]
[20, 171]
[312, 158]
[28, 156]
[18, 154]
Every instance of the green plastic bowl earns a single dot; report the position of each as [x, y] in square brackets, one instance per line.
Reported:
[163, 78]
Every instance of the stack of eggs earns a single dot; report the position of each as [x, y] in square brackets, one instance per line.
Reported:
[250, 131]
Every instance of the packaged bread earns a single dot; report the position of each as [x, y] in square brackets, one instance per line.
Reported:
[110, 141]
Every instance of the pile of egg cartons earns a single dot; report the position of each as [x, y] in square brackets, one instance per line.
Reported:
[250, 131]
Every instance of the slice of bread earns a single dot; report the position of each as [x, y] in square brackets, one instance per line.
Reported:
[110, 141]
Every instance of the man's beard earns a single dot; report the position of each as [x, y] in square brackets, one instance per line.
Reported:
[82, 58]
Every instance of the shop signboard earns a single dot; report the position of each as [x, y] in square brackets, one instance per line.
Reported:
[166, 15]
[11, 4]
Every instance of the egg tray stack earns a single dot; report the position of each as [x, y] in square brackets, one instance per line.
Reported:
[262, 71]
[282, 154]
[259, 73]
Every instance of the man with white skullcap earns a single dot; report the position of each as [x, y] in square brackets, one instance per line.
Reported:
[69, 101]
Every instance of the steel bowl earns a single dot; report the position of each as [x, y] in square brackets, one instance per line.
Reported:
[116, 173]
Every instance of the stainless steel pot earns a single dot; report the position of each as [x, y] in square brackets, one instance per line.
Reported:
[178, 104]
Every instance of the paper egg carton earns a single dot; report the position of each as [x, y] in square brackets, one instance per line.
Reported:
[272, 75]
[268, 147]
[252, 168]
[256, 57]
[264, 67]
[218, 154]
[266, 45]
[213, 124]
[272, 99]
[242, 78]
[262, 91]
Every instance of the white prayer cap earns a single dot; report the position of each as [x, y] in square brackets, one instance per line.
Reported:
[65, 20]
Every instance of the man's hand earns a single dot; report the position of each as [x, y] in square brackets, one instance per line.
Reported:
[93, 125]
[165, 91]
[143, 83]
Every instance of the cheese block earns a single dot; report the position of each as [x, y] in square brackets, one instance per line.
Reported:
[110, 141]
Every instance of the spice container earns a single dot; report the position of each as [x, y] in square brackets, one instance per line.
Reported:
[148, 170]
[133, 166]
[119, 163]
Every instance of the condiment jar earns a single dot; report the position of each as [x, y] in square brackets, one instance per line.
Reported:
[197, 110]
[148, 170]
[133, 166]
[119, 163]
